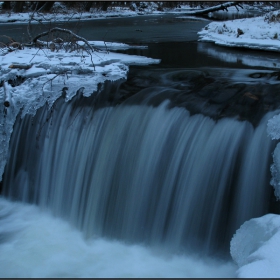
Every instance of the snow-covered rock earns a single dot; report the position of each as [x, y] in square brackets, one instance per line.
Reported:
[273, 130]
[255, 248]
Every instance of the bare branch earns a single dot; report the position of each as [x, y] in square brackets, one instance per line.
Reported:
[8, 37]
[55, 29]
[29, 22]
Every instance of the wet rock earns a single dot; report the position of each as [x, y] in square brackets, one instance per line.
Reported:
[239, 32]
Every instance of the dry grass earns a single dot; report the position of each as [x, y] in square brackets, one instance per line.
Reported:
[272, 17]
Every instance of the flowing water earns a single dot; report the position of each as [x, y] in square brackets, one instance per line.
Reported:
[149, 178]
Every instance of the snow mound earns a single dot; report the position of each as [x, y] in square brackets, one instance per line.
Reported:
[254, 33]
[255, 247]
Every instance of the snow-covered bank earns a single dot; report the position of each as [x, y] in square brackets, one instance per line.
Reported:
[49, 75]
[261, 33]
[60, 12]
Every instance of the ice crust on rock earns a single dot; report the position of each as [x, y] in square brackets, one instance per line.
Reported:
[255, 247]
[275, 171]
[49, 74]
[273, 127]
[256, 244]
[273, 130]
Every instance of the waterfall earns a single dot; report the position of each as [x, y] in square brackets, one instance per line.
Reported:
[142, 173]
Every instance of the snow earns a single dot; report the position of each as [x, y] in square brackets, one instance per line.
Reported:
[50, 73]
[255, 248]
[252, 33]
[273, 130]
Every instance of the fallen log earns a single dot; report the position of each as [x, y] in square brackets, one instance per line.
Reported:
[20, 66]
[223, 7]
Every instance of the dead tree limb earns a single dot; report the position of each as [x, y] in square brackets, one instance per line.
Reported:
[58, 29]
[223, 6]
[75, 36]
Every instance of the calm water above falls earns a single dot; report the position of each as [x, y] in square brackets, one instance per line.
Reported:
[155, 173]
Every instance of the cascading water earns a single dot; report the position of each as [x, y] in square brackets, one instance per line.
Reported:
[142, 174]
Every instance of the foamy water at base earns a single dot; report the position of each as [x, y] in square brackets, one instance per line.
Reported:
[33, 243]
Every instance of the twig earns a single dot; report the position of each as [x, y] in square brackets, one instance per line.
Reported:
[65, 72]
[65, 31]
[105, 42]
[34, 56]
[29, 22]
[55, 29]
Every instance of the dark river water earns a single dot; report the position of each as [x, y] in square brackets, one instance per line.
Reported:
[213, 80]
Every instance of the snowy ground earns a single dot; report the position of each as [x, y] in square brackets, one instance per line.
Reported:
[261, 33]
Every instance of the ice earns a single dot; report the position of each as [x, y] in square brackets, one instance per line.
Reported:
[275, 171]
[256, 244]
[257, 33]
[255, 247]
[49, 74]
[61, 12]
[273, 127]
[267, 60]
[273, 130]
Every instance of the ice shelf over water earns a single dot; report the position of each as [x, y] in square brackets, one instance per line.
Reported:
[50, 74]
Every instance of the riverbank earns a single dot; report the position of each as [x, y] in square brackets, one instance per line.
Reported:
[258, 33]
[61, 12]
